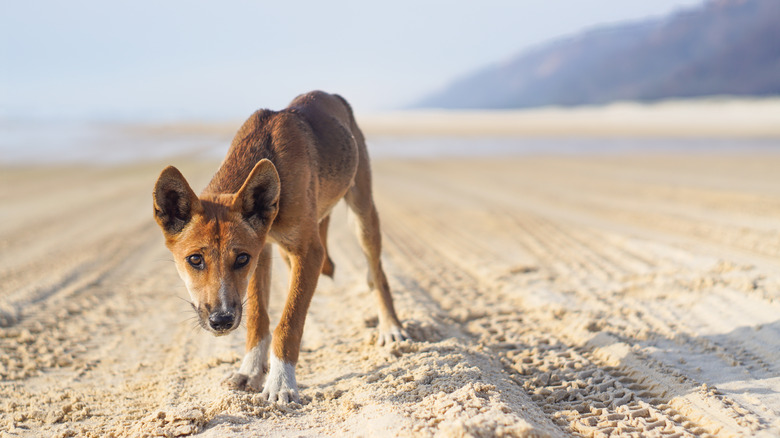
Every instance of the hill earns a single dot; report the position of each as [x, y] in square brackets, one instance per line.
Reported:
[726, 47]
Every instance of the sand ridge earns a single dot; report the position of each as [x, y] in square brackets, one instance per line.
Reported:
[547, 296]
[709, 118]
[724, 117]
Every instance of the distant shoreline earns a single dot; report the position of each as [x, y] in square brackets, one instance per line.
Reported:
[738, 118]
[698, 118]
[752, 124]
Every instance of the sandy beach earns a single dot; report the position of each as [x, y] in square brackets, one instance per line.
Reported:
[631, 295]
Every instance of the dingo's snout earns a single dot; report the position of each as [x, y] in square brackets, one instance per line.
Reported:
[222, 321]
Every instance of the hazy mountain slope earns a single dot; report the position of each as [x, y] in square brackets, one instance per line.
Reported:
[724, 47]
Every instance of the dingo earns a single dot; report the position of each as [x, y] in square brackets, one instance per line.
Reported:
[283, 173]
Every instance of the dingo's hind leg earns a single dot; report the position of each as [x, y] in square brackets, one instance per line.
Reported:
[328, 268]
[360, 200]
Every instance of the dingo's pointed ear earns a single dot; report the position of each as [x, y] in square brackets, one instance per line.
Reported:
[174, 201]
[258, 198]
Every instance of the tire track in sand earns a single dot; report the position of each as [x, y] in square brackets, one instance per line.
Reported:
[577, 392]
[592, 275]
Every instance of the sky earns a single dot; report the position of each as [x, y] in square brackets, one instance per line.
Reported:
[193, 59]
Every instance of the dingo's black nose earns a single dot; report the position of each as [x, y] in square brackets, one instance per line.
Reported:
[220, 321]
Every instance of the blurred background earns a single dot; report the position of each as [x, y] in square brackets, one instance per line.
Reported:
[78, 73]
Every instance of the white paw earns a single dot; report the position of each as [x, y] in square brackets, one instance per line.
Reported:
[391, 335]
[280, 385]
[251, 374]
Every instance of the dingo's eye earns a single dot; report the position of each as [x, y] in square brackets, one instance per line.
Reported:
[241, 261]
[196, 261]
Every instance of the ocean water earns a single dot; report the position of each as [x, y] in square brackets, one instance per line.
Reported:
[88, 143]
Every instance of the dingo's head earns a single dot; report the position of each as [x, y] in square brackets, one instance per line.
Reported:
[216, 240]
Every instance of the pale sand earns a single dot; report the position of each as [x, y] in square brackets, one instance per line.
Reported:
[754, 118]
[546, 296]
